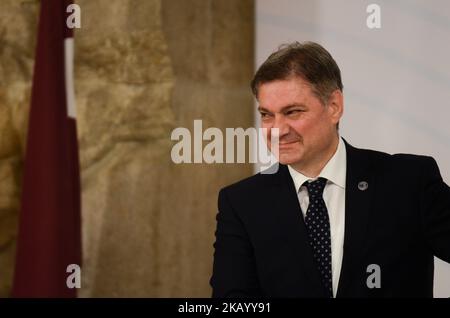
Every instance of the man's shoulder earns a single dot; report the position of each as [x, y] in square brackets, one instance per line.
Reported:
[396, 161]
[255, 183]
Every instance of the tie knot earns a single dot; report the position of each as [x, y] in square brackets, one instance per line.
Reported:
[315, 188]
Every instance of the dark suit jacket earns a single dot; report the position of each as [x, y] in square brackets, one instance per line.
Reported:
[400, 222]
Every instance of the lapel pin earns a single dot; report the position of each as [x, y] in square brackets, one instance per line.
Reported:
[363, 185]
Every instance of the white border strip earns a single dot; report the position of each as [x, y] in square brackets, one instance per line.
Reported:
[68, 68]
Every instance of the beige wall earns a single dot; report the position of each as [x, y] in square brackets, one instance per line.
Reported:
[142, 69]
[17, 41]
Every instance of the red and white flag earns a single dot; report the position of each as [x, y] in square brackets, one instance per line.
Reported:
[49, 238]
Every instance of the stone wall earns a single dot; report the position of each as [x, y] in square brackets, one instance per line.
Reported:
[18, 22]
[142, 68]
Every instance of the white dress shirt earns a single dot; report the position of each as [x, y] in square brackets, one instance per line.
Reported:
[334, 197]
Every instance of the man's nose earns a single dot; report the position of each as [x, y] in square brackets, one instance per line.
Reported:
[282, 125]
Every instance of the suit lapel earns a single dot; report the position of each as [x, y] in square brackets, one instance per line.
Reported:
[357, 207]
[289, 217]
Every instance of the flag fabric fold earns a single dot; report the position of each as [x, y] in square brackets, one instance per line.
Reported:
[49, 234]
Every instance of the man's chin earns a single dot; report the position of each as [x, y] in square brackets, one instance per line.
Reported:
[287, 160]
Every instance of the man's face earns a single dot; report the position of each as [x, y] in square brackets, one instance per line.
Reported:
[307, 128]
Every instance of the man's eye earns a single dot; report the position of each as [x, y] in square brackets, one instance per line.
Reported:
[264, 115]
[293, 112]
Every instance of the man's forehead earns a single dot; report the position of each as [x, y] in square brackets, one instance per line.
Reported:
[284, 89]
[280, 95]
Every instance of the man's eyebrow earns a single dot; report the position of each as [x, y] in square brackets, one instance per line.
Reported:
[260, 108]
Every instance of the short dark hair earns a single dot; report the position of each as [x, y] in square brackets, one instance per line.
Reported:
[309, 61]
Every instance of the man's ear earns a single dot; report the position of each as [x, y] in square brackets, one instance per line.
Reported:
[335, 106]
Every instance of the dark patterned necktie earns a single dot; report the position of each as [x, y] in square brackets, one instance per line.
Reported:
[318, 228]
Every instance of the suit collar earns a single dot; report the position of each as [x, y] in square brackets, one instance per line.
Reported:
[360, 185]
[292, 223]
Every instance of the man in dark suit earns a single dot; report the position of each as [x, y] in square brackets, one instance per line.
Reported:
[334, 220]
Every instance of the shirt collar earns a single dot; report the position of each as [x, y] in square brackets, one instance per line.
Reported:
[334, 171]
